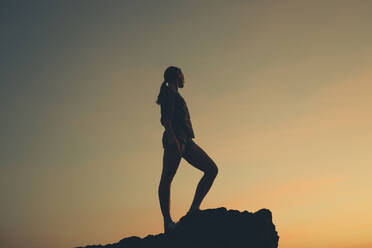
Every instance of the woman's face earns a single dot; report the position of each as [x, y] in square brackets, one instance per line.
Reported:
[180, 80]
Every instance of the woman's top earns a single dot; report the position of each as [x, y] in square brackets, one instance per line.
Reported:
[174, 108]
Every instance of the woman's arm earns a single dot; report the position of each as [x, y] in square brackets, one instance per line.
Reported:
[172, 138]
[169, 128]
[167, 114]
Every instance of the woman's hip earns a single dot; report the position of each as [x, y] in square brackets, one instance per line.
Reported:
[182, 139]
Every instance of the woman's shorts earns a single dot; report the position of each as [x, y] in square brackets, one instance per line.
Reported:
[166, 145]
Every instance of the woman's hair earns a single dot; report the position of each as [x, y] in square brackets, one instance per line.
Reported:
[170, 76]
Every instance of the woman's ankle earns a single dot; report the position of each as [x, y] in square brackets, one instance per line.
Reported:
[193, 210]
[167, 220]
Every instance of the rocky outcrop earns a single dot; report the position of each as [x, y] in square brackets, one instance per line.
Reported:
[217, 228]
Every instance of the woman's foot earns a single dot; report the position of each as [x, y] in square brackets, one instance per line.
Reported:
[169, 226]
[193, 211]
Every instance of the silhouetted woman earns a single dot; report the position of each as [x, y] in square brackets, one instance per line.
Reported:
[177, 143]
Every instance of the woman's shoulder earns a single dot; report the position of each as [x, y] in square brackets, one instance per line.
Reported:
[172, 93]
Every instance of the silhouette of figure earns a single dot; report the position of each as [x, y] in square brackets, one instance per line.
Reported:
[177, 143]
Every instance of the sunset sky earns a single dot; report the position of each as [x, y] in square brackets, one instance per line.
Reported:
[279, 93]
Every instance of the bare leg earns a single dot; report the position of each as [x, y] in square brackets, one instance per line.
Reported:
[171, 161]
[196, 156]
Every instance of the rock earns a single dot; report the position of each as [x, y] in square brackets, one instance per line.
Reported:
[217, 228]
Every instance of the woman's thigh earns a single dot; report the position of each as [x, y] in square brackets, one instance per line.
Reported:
[171, 161]
[198, 158]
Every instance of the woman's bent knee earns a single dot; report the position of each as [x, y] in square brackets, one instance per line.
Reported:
[213, 171]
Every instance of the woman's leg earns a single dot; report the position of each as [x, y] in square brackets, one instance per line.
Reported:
[171, 161]
[196, 156]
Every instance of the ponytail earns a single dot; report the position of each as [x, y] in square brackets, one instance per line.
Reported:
[162, 93]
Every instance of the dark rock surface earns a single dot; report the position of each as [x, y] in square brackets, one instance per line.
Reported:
[209, 228]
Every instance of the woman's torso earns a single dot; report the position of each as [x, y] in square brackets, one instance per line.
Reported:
[180, 117]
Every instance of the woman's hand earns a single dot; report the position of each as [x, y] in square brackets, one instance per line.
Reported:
[180, 146]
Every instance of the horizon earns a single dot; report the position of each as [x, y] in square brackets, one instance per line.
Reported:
[278, 93]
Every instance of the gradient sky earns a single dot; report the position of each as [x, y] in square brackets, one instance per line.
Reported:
[279, 94]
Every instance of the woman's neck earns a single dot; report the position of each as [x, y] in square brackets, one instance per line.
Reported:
[173, 87]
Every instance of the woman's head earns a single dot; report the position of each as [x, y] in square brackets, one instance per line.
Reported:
[173, 76]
